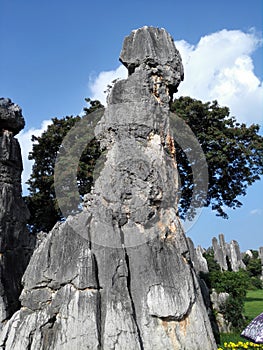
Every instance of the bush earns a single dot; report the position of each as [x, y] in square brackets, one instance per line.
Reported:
[233, 311]
[235, 284]
[255, 283]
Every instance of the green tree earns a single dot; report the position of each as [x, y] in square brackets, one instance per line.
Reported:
[236, 285]
[233, 151]
[41, 200]
[234, 154]
[254, 269]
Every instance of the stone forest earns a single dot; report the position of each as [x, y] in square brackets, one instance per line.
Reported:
[121, 274]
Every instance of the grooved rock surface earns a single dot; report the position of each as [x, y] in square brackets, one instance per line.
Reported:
[196, 255]
[227, 255]
[117, 276]
[153, 49]
[15, 242]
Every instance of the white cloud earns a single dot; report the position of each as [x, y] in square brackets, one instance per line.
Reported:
[255, 212]
[98, 85]
[24, 138]
[219, 67]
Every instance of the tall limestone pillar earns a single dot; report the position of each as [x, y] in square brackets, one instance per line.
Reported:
[117, 276]
[14, 237]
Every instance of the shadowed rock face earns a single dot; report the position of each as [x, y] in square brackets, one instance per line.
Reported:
[10, 116]
[117, 275]
[14, 237]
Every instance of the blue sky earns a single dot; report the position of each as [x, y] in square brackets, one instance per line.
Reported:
[56, 53]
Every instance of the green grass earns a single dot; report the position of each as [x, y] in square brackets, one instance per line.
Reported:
[253, 303]
[228, 337]
[253, 307]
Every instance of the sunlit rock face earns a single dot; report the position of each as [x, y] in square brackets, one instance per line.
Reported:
[227, 255]
[15, 242]
[118, 275]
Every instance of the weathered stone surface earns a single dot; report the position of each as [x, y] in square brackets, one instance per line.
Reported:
[11, 117]
[153, 50]
[117, 276]
[235, 256]
[196, 256]
[218, 300]
[15, 242]
[227, 255]
[199, 264]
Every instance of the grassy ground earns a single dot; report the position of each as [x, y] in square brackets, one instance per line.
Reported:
[253, 307]
[253, 303]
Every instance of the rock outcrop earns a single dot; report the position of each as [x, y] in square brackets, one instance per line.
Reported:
[196, 255]
[227, 255]
[117, 275]
[218, 301]
[15, 242]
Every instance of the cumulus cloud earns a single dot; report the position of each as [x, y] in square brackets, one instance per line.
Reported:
[24, 138]
[99, 85]
[219, 67]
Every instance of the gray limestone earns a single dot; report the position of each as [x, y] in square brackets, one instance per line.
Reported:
[15, 242]
[117, 276]
[227, 255]
[11, 117]
[196, 254]
[218, 300]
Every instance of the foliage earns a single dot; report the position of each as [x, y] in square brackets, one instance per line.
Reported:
[253, 307]
[210, 258]
[255, 283]
[233, 311]
[234, 283]
[233, 151]
[41, 200]
[254, 269]
[213, 266]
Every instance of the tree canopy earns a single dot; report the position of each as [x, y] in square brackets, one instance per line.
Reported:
[41, 201]
[233, 153]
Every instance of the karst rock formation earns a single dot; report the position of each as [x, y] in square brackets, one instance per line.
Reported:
[15, 242]
[227, 255]
[118, 275]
